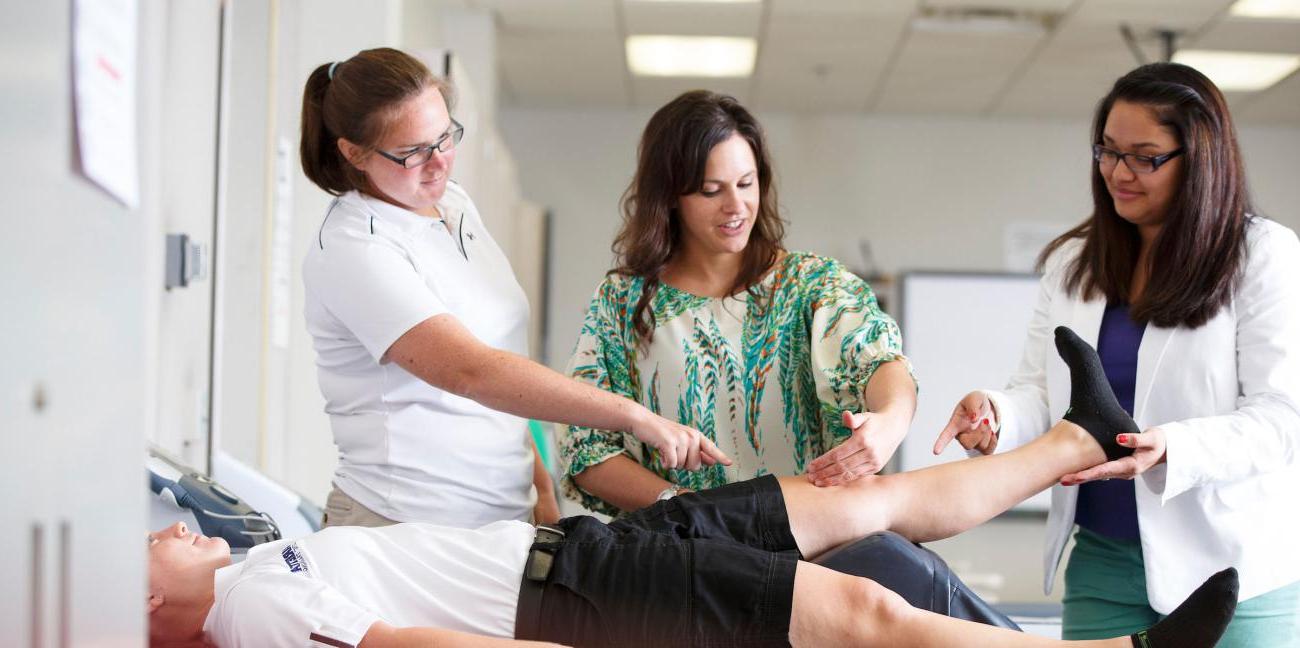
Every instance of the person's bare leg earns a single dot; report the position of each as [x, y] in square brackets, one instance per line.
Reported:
[834, 609]
[936, 502]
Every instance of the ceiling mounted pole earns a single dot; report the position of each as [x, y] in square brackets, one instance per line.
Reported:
[1168, 43]
[1130, 40]
[1167, 38]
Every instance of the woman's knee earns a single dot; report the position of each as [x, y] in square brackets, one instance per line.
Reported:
[834, 609]
[878, 605]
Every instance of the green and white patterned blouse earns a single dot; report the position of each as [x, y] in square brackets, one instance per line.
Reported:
[767, 384]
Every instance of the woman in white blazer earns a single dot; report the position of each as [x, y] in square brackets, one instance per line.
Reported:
[1194, 307]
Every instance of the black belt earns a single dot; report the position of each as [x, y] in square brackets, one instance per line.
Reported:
[528, 615]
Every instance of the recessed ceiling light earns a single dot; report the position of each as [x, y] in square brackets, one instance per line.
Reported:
[1286, 9]
[691, 56]
[1240, 71]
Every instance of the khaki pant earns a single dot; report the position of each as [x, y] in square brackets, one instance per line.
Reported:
[342, 510]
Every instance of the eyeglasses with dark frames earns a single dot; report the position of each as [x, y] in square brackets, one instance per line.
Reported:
[420, 155]
[1136, 163]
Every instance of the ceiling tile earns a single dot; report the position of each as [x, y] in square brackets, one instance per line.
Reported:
[811, 28]
[1279, 104]
[552, 15]
[652, 92]
[723, 19]
[1072, 71]
[952, 72]
[1251, 36]
[1184, 15]
[786, 8]
[822, 63]
[556, 70]
[1020, 5]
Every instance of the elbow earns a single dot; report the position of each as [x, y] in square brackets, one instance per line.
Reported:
[465, 381]
[465, 375]
[585, 483]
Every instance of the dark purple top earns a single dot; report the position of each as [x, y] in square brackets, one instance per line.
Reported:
[1109, 508]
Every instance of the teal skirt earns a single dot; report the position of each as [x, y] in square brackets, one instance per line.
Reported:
[1106, 596]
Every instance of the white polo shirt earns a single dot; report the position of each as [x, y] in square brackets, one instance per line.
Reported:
[407, 450]
[328, 588]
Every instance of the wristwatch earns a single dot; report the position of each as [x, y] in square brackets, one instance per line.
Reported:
[668, 493]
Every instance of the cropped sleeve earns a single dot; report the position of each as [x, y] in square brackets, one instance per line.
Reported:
[287, 610]
[850, 338]
[605, 359]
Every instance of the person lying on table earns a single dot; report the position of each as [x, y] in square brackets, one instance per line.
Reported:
[717, 567]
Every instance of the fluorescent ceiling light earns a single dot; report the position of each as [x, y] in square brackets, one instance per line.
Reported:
[691, 56]
[702, 1]
[1240, 71]
[1286, 9]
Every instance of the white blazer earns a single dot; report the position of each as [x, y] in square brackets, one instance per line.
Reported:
[1227, 395]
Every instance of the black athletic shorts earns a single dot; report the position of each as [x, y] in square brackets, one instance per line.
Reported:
[701, 569]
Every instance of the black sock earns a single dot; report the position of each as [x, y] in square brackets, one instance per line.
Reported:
[1092, 403]
[1200, 620]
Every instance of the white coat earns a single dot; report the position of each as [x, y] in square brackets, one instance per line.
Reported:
[1226, 394]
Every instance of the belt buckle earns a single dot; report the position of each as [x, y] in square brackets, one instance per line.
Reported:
[547, 534]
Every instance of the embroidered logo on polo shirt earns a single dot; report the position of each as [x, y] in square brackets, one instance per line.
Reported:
[294, 558]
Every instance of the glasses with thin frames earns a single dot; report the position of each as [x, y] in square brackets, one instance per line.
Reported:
[1108, 158]
[423, 154]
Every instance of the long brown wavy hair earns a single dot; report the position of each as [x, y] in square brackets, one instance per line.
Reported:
[670, 163]
[1196, 260]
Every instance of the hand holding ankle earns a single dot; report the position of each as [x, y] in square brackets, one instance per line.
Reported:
[1148, 451]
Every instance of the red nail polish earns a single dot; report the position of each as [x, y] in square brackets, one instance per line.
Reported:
[986, 421]
[1123, 438]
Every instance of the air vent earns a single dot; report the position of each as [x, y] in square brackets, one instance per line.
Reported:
[984, 20]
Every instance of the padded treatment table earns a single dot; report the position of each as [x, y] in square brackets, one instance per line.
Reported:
[917, 574]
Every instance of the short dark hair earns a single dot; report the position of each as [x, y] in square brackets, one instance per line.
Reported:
[1196, 260]
[354, 99]
[670, 163]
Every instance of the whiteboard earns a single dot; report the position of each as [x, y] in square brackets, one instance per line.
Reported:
[962, 331]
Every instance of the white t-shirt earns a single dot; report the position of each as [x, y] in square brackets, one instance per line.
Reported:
[328, 588]
[409, 451]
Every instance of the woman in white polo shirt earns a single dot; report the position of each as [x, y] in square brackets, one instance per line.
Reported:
[419, 324]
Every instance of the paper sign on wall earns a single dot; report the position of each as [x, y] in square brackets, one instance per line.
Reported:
[1023, 242]
[104, 94]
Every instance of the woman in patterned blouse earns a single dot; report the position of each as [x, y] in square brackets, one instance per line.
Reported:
[783, 358]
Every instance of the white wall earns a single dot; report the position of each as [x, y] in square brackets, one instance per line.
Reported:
[928, 193]
[931, 193]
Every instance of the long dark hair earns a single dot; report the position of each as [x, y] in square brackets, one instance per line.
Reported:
[356, 99]
[1196, 259]
[670, 163]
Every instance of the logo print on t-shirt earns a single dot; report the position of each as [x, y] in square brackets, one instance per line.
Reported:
[294, 559]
